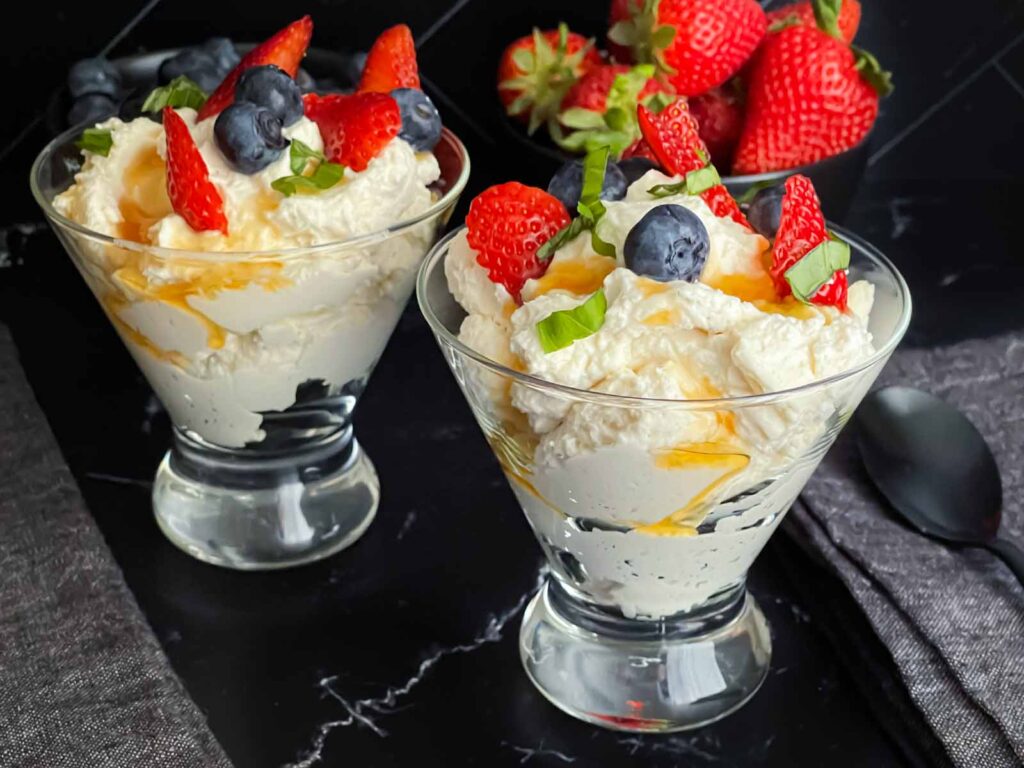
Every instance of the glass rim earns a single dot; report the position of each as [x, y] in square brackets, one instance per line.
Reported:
[443, 335]
[447, 199]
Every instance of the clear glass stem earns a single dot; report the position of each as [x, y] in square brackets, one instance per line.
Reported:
[254, 510]
[645, 675]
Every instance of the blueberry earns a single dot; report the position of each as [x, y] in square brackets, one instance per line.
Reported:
[223, 53]
[567, 184]
[352, 67]
[94, 76]
[271, 87]
[421, 124]
[765, 210]
[92, 108]
[668, 243]
[195, 64]
[249, 136]
[305, 81]
[635, 167]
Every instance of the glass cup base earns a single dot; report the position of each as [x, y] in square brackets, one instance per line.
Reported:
[247, 511]
[645, 676]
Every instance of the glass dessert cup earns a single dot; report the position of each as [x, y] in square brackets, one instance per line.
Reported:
[259, 359]
[645, 623]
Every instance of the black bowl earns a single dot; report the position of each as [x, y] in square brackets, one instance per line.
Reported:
[331, 70]
[835, 178]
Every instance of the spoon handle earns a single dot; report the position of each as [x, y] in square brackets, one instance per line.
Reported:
[1011, 554]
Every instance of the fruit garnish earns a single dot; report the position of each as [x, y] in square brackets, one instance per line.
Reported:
[391, 62]
[562, 327]
[270, 86]
[600, 109]
[719, 116]
[193, 196]
[506, 225]
[249, 136]
[810, 96]
[206, 64]
[673, 138]
[355, 127]
[536, 71]
[421, 123]
[324, 174]
[95, 140]
[696, 44]
[808, 261]
[590, 208]
[567, 183]
[846, 16]
[669, 243]
[766, 208]
[285, 49]
[180, 92]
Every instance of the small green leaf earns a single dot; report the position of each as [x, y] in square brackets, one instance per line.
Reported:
[617, 119]
[695, 182]
[826, 14]
[324, 177]
[560, 329]
[523, 59]
[561, 237]
[871, 71]
[180, 92]
[663, 36]
[299, 155]
[95, 140]
[580, 118]
[790, 20]
[817, 267]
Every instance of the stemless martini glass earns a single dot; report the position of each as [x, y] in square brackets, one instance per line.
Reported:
[259, 359]
[645, 623]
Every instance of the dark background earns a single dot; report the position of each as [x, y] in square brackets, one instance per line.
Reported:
[429, 600]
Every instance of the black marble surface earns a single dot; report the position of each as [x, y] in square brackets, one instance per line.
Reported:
[402, 650]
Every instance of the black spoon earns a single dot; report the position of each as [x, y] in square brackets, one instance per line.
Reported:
[935, 468]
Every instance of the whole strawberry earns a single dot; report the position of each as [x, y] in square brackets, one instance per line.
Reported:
[810, 96]
[536, 71]
[506, 225]
[600, 109]
[802, 235]
[847, 16]
[719, 116]
[696, 44]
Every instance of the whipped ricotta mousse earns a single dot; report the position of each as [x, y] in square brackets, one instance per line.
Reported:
[226, 318]
[655, 503]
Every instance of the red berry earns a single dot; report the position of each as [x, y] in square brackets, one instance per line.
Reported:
[507, 224]
[803, 13]
[354, 127]
[285, 49]
[709, 40]
[673, 138]
[193, 196]
[391, 62]
[537, 70]
[801, 230]
[719, 116]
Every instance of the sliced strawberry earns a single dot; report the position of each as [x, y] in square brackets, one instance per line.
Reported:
[801, 230]
[675, 141]
[193, 196]
[356, 127]
[391, 62]
[285, 49]
[640, 148]
[507, 224]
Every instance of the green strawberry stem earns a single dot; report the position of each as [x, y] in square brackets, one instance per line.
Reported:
[826, 14]
[872, 72]
[643, 35]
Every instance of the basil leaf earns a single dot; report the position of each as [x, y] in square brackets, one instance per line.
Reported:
[324, 177]
[299, 154]
[695, 182]
[560, 329]
[817, 267]
[95, 140]
[561, 237]
[180, 92]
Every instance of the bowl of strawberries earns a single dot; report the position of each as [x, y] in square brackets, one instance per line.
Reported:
[773, 93]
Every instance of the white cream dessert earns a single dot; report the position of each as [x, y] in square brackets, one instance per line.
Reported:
[622, 490]
[226, 323]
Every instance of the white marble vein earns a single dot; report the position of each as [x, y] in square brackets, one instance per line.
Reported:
[365, 711]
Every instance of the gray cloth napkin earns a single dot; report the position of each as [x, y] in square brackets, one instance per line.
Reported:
[952, 618]
[83, 681]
